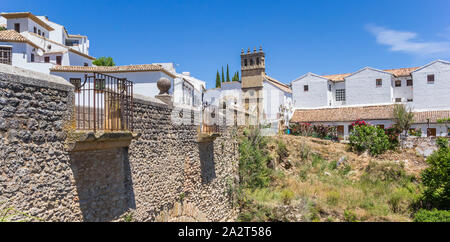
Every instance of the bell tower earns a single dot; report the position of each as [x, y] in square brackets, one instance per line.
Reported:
[253, 67]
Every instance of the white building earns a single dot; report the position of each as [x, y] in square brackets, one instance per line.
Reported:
[144, 77]
[261, 98]
[188, 90]
[35, 43]
[370, 94]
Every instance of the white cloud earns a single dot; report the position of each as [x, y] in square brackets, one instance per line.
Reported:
[407, 42]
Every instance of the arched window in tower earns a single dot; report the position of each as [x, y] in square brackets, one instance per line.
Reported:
[251, 62]
[257, 60]
[245, 62]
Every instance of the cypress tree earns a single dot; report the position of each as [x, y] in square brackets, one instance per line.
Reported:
[228, 74]
[223, 79]
[217, 79]
[237, 76]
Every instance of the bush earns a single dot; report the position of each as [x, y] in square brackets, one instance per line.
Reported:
[371, 138]
[432, 216]
[436, 178]
[282, 151]
[318, 131]
[287, 195]
[253, 170]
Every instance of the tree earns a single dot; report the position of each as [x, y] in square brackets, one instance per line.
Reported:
[2, 28]
[403, 118]
[228, 74]
[104, 61]
[223, 79]
[217, 79]
[436, 178]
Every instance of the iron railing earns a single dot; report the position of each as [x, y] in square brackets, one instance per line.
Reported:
[103, 102]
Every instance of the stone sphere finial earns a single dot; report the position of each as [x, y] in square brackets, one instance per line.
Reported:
[163, 85]
[242, 51]
[260, 48]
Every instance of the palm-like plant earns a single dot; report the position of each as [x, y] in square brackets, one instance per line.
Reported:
[403, 118]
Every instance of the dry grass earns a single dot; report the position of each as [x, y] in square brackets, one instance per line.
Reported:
[361, 188]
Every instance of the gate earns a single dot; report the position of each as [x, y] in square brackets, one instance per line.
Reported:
[104, 102]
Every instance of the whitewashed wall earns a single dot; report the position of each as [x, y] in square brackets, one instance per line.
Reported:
[361, 88]
[404, 92]
[317, 94]
[432, 96]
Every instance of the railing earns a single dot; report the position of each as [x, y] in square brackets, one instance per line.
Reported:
[103, 102]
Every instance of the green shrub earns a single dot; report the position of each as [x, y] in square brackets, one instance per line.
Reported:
[282, 151]
[436, 178]
[349, 216]
[371, 138]
[287, 195]
[253, 170]
[432, 216]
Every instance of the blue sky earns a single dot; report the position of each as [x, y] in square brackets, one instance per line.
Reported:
[323, 37]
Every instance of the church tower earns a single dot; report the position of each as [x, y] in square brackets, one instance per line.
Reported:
[253, 69]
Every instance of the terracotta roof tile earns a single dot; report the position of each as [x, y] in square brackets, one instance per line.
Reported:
[433, 116]
[396, 72]
[13, 36]
[343, 114]
[27, 15]
[278, 84]
[112, 69]
[350, 114]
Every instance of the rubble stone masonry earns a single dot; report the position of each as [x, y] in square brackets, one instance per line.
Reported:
[165, 174]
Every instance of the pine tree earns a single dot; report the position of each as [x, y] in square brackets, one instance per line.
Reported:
[228, 74]
[223, 79]
[217, 79]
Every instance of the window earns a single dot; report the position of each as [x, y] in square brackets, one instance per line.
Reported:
[251, 62]
[379, 82]
[47, 59]
[77, 83]
[430, 79]
[32, 58]
[5, 55]
[257, 61]
[398, 100]
[86, 64]
[409, 100]
[39, 32]
[340, 95]
[34, 30]
[409, 83]
[381, 126]
[100, 85]
[17, 27]
[245, 62]
[398, 83]
[329, 87]
[58, 60]
[305, 88]
[350, 128]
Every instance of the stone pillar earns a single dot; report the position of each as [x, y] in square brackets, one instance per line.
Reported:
[164, 86]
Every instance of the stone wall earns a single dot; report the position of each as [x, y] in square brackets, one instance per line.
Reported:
[423, 145]
[164, 175]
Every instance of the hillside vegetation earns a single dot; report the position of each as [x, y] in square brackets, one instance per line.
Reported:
[295, 178]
